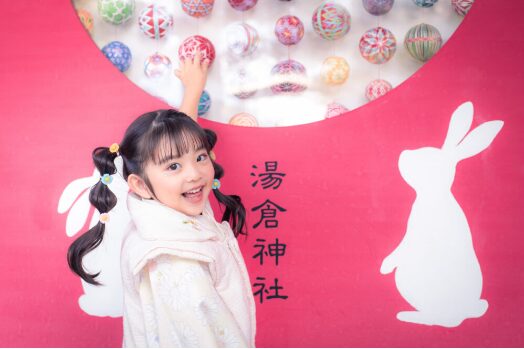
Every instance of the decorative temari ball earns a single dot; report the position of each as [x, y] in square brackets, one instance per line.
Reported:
[378, 7]
[377, 88]
[423, 41]
[86, 19]
[462, 6]
[243, 119]
[425, 3]
[195, 43]
[377, 45]
[154, 21]
[197, 8]
[157, 66]
[242, 39]
[288, 76]
[204, 103]
[335, 70]
[116, 11]
[242, 5]
[241, 84]
[289, 30]
[119, 54]
[331, 21]
[335, 109]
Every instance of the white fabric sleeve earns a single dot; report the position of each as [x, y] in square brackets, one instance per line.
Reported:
[182, 308]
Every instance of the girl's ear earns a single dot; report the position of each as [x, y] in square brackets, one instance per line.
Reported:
[138, 186]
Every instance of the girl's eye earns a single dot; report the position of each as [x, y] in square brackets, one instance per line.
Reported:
[174, 166]
[202, 157]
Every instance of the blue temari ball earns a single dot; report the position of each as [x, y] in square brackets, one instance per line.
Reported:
[425, 3]
[119, 54]
[204, 104]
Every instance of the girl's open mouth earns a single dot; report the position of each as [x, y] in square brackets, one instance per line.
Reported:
[194, 195]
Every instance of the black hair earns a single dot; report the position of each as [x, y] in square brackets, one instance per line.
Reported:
[141, 144]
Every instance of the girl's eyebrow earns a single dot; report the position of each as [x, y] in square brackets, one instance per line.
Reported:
[171, 157]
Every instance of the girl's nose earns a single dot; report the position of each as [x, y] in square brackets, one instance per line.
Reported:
[192, 173]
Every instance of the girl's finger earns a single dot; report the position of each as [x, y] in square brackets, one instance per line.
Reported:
[178, 73]
[205, 64]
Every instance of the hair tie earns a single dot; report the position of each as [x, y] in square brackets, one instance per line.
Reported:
[104, 218]
[114, 148]
[216, 184]
[106, 179]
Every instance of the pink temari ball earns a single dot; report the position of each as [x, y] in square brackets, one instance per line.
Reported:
[195, 43]
[243, 119]
[289, 30]
[462, 6]
[154, 21]
[377, 88]
[335, 109]
[378, 45]
[197, 8]
[288, 76]
[242, 5]
[331, 21]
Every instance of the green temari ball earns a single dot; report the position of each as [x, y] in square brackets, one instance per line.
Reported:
[116, 11]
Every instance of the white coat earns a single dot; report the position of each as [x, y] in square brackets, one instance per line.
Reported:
[185, 281]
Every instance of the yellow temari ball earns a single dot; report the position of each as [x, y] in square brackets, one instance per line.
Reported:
[86, 18]
[335, 70]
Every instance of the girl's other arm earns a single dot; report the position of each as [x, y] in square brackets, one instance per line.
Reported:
[193, 74]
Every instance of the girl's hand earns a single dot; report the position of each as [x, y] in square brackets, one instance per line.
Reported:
[193, 74]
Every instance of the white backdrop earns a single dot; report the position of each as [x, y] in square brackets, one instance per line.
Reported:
[269, 109]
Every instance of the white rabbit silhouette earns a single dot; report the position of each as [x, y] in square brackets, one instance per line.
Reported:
[105, 300]
[437, 271]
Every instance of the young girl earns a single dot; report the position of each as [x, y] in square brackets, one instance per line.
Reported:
[184, 279]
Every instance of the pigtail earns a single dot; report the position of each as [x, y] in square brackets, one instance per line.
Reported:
[103, 200]
[235, 212]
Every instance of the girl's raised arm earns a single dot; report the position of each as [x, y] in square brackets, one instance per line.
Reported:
[193, 74]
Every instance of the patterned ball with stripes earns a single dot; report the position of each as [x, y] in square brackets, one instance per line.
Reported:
[242, 39]
[423, 41]
[197, 8]
[331, 21]
[378, 45]
[154, 21]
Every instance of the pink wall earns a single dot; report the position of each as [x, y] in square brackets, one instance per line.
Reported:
[346, 202]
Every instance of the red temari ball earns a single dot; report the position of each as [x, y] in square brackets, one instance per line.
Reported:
[193, 43]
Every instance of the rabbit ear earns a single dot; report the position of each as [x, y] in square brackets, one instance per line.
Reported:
[459, 125]
[478, 139]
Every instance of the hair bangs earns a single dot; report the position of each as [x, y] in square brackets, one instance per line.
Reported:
[175, 138]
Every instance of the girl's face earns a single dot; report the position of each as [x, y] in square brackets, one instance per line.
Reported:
[182, 183]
